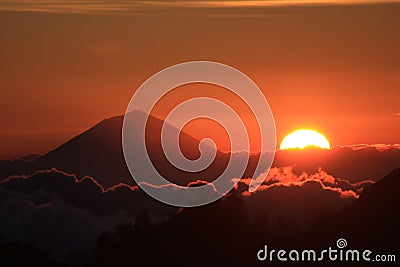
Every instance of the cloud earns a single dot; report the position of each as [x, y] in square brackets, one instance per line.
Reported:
[378, 147]
[56, 228]
[284, 176]
[52, 226]
[258, 3]
[85, 193]
[140, 7]
[69, 6]
[59, 212]
[184, 194]
[298, 199]
[301, 203]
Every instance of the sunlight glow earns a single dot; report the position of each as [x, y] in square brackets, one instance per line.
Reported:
[304, 138]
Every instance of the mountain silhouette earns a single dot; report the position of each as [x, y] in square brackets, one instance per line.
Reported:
[97, 152]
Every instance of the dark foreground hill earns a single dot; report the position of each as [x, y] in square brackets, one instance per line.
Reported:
[220, 235]
[372, 221]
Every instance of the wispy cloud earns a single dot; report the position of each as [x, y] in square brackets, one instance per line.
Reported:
[260, 3]
[125, 6]
[278, 177]
[379, 147]
[70, 6]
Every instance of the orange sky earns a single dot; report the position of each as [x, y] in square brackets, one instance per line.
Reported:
[332, 68]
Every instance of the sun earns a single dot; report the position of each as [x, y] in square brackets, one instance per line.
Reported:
[304, 138]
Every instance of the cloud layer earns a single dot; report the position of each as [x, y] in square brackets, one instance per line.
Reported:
[285, 176]
[139, 7]
[299, 200]
[60, 213]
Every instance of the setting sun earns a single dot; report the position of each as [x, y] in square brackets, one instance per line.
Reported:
[304, 138]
